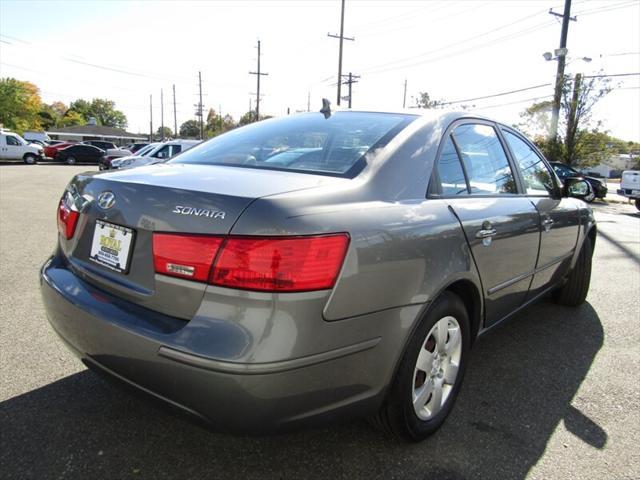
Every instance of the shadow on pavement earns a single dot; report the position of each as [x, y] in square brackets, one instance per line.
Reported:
[519, 386]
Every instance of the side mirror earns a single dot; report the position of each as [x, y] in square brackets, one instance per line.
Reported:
[576, 187]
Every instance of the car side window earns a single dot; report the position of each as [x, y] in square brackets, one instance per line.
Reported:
[537, 177]
[449, 170]
[485, 161]
[12, 141]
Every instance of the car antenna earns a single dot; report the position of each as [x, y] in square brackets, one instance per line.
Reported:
[326, 108]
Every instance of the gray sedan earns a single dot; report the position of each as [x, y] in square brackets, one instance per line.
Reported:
[315, 267]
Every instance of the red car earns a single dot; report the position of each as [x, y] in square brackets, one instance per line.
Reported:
[51, 150]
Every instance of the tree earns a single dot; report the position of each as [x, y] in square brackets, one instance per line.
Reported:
[423, 100]
[168, 133]
[217, 125]
[190, 128]
[19, 105]
[102, 110]
[575, 141]
[70, 119]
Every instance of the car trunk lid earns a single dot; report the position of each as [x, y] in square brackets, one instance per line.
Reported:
[125, 208]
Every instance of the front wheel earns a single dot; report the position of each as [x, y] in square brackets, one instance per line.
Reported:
[71, 160]
[430, 374]
[30, 159]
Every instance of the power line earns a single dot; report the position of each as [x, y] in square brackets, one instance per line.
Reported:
[498, 94]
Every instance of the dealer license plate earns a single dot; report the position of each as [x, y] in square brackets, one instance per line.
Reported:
[111, 246]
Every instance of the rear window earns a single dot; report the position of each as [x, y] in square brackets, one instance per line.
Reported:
[307, 143]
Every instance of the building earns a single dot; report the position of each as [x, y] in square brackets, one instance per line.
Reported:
[92, 131]
[613, 166]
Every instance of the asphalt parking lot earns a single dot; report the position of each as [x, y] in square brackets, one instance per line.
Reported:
[554, 394]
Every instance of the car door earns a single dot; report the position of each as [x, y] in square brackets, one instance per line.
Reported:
[3, 147]
[559, 217]
[501, 226]
[14, 148]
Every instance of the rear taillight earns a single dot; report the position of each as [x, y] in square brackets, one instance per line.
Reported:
[67, 219]
[186, 256]
[270, 264]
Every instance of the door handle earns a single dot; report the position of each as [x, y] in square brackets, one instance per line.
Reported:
[547, 223]
[486, 233]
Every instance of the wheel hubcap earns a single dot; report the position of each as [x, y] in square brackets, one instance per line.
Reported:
[436, 368]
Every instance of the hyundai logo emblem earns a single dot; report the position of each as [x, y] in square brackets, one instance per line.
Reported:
[106, 200]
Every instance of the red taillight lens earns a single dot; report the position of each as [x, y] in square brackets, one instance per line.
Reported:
[67, 219]
[280, 264]
[186, 256]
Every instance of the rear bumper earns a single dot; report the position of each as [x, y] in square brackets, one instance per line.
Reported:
[147, 350]
[628, 193]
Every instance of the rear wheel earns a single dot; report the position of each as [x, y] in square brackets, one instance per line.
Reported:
[71, 160]
[30, 159]
[430, 373]
[638, 203]
[574, 292]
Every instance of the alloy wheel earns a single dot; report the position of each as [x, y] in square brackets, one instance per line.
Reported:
[436, 368]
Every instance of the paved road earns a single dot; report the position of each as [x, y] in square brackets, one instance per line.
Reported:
[553, 394]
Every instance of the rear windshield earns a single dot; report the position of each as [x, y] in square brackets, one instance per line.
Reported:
[306, 143]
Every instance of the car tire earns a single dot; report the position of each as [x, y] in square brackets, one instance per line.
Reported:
[30, 159]
[71, 161]
[574, 292]
[638, 203]
[403, 413]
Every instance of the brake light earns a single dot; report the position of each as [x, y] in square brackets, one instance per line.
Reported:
[186, 256]
[268, 264]
[280, 264]
[67, 219]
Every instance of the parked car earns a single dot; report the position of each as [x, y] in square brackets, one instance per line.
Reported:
[101, 144]
[598, 186]
[630, 186]
[14, 147]
[163, 152]
[135, 147]
[51, 150]
[111, 154]
[54, 142]
[79, 153]
[106, 161]
[315, 267]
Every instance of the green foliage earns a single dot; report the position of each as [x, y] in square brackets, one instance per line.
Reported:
[578, 141]
[190, 129]
[19, 105]
[423, 100]
[70, 119]
[168, 133]
[103, 110]
[217, 125]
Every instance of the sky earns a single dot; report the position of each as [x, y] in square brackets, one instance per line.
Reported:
[452, 49]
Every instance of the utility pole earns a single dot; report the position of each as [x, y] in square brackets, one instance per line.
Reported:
[258, 74]
[309, 101]
[351, 79]
[151, 118]
[175, 117]
[404, 97]
[562, 55]
[161, 116]
[200, 106]
[341, 37]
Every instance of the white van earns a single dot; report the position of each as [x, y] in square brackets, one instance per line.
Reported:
[14, 147]
[630, 186]
[33, 136]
